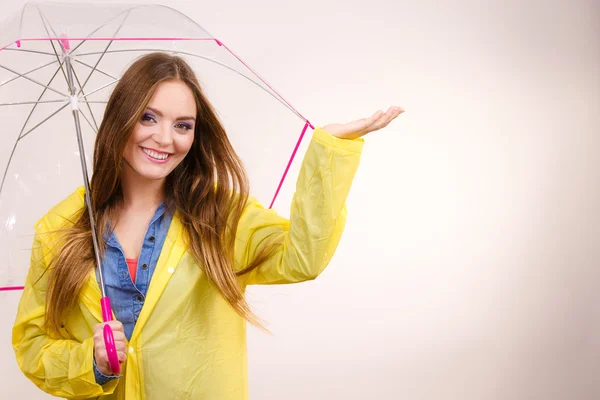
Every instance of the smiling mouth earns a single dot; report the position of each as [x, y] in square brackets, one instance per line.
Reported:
[156, 155]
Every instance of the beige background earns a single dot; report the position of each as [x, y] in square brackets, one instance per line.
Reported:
[469, 269]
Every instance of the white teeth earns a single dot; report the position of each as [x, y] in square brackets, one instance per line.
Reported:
[158, 156]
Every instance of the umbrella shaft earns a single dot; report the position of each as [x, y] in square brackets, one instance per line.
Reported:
[86, 181]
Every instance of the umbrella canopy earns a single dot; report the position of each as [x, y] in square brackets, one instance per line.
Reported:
[57, 57]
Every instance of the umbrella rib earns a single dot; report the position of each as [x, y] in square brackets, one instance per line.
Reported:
[93, 69]
[46, 24]
[92, 53]
[21, 103]
[88, 106]
[213, 61]
[58, 58]
[7, 165]
[102, 56]
[29, 51]
[34, 81]
[106, 23]
[88, 121]
[100, 88]
[99, 70]
[43, 18]
[34, 107]
[45, 119]
[27, 73]
[22, 129]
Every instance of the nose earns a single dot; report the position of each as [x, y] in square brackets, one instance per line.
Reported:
[163, 134]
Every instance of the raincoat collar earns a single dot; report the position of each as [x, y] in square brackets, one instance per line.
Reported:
[172, 252]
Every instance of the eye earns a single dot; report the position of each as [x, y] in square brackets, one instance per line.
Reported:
[148, 117]
[183, 126]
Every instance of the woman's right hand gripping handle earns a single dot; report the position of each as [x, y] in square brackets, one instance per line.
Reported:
[100, 353]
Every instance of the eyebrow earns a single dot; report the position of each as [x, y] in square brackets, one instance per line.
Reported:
[154, 110]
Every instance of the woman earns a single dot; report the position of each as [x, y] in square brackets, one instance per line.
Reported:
[181, 241]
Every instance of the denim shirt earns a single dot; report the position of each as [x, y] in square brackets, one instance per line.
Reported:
[127, 298]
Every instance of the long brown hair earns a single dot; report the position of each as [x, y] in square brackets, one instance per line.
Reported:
[209, 189]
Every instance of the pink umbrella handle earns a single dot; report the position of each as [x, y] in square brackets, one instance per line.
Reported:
[111, 350]
[109, 338]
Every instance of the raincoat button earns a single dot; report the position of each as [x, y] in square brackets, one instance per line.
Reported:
[131, 349]
[151, 239]
[171, 270]
[144, 266]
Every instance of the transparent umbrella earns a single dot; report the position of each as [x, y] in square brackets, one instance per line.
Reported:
[58, 66]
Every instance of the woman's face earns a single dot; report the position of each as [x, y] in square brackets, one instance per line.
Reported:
[164, 135]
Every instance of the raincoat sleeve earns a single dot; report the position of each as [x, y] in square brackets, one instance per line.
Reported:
[60, 367]
[305, 243]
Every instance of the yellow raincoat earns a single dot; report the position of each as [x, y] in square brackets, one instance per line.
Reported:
[188, 343]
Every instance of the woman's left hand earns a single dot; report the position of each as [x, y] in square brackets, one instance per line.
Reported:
[359, 128]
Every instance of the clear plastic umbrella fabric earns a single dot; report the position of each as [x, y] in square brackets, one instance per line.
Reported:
[39, 156]
[56, 57]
